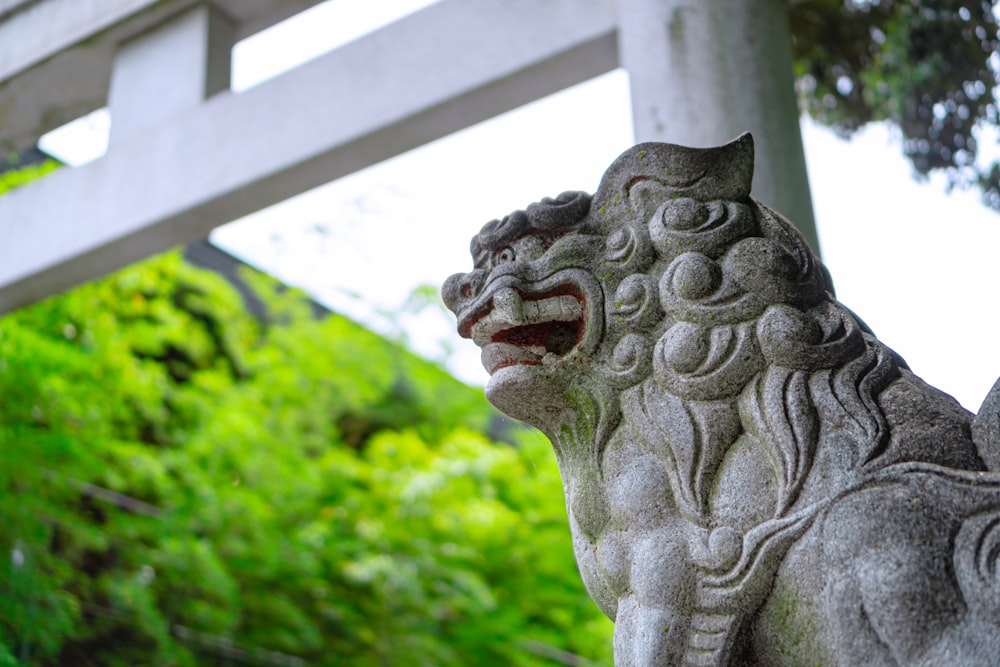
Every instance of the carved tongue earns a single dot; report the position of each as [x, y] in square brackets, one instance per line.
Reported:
[498, 355]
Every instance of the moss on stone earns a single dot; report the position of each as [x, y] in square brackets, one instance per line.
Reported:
[794, 627]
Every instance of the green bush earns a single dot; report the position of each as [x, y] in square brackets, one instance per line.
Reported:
[185, 485]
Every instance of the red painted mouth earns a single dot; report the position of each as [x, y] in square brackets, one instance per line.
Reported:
[521, 328]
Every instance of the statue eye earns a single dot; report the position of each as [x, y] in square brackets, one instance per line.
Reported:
[506, 255]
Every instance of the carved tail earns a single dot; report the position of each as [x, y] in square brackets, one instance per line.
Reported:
[986, 429]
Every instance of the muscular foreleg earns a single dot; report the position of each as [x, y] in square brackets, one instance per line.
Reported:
[653, 618]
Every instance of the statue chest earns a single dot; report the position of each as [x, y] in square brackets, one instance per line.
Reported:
[611, 506]
[627, 487]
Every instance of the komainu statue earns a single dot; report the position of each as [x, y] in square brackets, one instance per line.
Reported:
[752, 477]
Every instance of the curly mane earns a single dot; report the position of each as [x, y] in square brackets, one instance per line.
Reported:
[753, 345]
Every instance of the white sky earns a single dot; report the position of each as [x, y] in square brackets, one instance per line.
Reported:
[919, 266]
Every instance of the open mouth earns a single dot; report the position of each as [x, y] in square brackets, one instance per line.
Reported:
[529, 329]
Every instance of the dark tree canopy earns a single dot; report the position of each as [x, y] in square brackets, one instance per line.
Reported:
[928, 66]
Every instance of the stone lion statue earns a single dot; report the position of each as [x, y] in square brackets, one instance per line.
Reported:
[752, 478]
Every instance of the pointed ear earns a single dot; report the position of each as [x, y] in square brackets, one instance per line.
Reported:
[705, 174]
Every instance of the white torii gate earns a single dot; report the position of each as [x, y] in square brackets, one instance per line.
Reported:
[186, 154]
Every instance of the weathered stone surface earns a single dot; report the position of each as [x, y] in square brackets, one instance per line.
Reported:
[752, 478]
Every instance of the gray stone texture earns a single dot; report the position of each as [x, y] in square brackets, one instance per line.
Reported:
[752, 478]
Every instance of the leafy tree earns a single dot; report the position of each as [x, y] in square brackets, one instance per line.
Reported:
[928, 66]
[185, 485]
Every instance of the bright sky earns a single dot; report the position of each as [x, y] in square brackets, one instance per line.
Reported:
[918, 265]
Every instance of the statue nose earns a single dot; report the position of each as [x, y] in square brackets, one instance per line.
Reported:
[462, 287]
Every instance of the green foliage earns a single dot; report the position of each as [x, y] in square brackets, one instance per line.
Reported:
[18, 177]
[184, 485]
[927, 66]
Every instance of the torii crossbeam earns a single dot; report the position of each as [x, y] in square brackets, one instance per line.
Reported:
[187, 154]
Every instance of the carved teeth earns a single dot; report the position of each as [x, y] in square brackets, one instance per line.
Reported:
[508, 306]
[555, 309]
[510, 310]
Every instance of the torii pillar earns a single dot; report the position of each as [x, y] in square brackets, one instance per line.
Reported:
[704, 71]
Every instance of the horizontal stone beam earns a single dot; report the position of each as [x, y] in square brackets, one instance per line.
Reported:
[442, 69]
[56, 58]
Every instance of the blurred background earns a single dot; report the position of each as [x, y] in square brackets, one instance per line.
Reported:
[270, 447]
